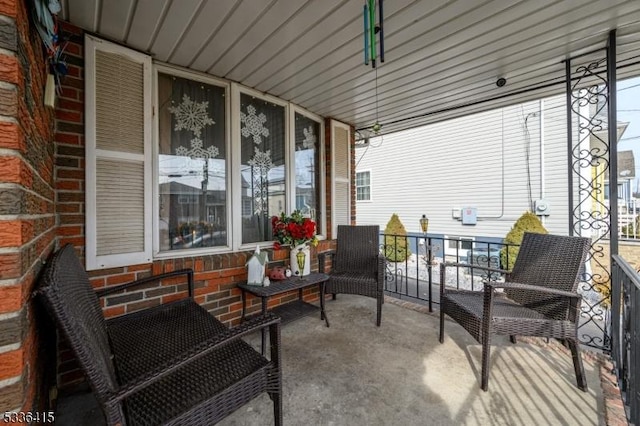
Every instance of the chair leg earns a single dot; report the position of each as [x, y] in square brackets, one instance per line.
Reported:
[581, 379]
[441, 324]
[379, 316]
[486, 352]
[486, 355]
[513, 339]
[277, 408]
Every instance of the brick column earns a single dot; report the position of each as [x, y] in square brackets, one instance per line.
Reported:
[27, 216]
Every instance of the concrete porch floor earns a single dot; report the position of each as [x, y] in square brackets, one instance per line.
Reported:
[355, 373]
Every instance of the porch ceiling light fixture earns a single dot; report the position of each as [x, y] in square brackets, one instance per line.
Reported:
[371, 28]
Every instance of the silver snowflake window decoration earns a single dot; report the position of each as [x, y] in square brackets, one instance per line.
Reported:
[191, 115]
[261, 161]
[197, 151]
[253, 125]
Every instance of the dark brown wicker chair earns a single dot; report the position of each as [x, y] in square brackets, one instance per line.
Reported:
[539, 298]
[169, 364]
[357, 265]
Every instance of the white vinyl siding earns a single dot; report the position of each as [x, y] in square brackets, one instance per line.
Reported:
[475, 161]
[118, 154]
[340, 175]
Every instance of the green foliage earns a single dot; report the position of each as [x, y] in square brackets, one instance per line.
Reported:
[528, 222]
[632, 230]
[395, 240]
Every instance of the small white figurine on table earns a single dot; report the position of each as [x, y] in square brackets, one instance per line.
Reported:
[256, 267]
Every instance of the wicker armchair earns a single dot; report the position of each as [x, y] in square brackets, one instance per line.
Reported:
[168, 364]
[539, 298]
[357, 265]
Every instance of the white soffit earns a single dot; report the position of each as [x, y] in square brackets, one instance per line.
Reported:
[439, 54]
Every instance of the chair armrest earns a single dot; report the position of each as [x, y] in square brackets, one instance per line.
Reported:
[321, 259]
[527, 287]
[263, 321]
[443, 272]
[118, 288]
[468, 265]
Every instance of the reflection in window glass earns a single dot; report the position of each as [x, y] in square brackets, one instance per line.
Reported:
[262, 130]
[307, 163]
[192, 164]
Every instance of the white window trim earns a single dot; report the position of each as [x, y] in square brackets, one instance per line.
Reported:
[321, 227]
[93, 261]
[236, 180]
[151, 167]
[334, 222]
[370, 186]
[207, 79]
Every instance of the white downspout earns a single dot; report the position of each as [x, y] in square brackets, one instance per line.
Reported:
[542, 177]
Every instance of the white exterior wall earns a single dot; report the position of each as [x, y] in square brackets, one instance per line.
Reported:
[460, 163]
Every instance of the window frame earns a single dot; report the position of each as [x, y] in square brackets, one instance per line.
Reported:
[293, 110]
[236, 179]
[355, 184]
[233, 185]
[163, 68]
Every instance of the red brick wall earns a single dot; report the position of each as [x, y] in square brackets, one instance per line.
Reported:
[216, 276]
[27, 215]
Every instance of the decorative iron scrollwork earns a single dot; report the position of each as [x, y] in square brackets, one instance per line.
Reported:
[590, 162]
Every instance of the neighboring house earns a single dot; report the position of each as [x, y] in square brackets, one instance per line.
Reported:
[626, 177]
[505, 162]
[182, 210]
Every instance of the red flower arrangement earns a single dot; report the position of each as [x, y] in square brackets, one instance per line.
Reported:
[293, 230]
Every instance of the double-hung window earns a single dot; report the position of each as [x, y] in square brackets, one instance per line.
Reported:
[307, 162]
[181, 163]
[192, 194]
[363, 186]
[263, 159]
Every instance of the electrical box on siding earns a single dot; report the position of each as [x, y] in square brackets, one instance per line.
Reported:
[542, 207]
[456, 213]
[469, 216]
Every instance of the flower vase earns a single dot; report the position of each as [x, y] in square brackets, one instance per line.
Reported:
[295, 269]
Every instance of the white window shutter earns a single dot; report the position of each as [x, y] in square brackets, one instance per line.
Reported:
[118, 155]
[340, 175]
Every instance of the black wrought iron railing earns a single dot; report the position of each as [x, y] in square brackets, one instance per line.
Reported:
[413, 266]
[625, 333]
[413, 263]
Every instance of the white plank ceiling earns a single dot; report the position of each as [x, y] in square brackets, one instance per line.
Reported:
[442, 57]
